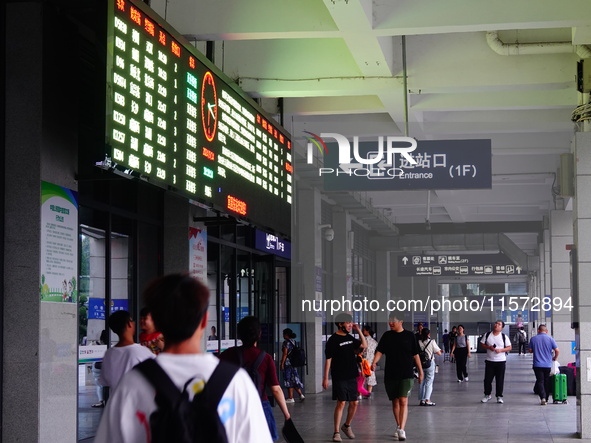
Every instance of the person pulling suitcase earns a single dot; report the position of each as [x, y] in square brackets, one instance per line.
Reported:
[545, 352]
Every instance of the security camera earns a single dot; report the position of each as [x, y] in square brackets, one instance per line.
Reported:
[329, 234]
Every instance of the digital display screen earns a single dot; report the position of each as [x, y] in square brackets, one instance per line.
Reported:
[175, 119]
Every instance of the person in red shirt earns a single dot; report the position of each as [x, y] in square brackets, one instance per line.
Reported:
[249, 331]
[149, 336]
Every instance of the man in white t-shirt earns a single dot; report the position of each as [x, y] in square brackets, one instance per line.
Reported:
[125, 354]
[178, 303]
[496, 344]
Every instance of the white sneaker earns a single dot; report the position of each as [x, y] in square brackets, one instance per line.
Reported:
[485, 399]
[466, 379]
[401, 435]
[289, 400]
[500, 400]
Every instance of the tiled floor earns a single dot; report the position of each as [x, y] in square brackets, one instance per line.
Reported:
[458, 417]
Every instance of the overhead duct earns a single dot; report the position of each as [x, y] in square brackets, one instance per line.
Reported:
[501, 48]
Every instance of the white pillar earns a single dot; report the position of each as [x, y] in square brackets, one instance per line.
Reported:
[561, 235]
[582, 236]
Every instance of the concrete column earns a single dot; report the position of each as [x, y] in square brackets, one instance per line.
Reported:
[21, 316]
[582, 237]
[547, 286]
[307, 281]
[40, 339]
[382, 290]
[341, 259]
[561, 235]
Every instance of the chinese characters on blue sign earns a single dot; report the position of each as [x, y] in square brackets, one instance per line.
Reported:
[272, 244]
[96, 307]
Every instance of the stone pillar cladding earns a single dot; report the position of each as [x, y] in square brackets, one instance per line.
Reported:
[561, 235]
[582, 241]
[306, 264]
[341, 260]
[547, 276]
[39, 352]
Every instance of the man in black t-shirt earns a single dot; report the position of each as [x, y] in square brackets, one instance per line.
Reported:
[341, 362]
[403, 355]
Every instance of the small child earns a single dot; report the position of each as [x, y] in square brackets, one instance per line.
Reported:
[149, 336]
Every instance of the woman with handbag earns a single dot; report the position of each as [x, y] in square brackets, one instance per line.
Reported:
[430, 348]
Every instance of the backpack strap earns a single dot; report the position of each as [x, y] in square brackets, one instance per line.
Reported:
[504, 338]
[219, 381]
[254, 367]
[166, 390]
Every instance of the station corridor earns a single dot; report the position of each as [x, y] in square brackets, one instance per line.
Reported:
[459, 416]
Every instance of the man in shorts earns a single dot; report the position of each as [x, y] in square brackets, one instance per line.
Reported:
[403, 355]
[341, 360]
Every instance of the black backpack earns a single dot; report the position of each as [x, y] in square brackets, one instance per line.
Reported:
[253, 370]
[297, 356]
[424, 356]
[179, 420]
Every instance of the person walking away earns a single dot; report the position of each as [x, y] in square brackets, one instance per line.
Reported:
[452, 339]
[419, 333]
[122, 357]
[461, 353]
[247, 355]
[178, 303]
[496, 344]
[521, 340]
[402, 350]
[341, 363]
[369, 354]
[426, 387]
[291, 378]
[541, 346]
[445, 339]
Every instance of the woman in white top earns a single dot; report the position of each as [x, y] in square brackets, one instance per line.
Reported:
[461, 352]
[426, 386]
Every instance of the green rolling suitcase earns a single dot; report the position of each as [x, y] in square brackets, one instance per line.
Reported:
[559, 388]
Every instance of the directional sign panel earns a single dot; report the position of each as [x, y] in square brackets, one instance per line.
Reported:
[439, 164]
[456, 265]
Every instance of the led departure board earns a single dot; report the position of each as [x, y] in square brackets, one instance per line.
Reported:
[176, 120]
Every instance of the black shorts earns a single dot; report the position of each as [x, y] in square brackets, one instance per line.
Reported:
[344, 390]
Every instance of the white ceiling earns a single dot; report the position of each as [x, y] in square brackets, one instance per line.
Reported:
[338, 64]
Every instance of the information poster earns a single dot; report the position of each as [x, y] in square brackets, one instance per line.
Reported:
[198, 253]
[59, 244]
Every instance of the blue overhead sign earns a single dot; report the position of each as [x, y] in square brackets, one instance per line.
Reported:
[438, 164]
[272, 244]
[410, 265]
